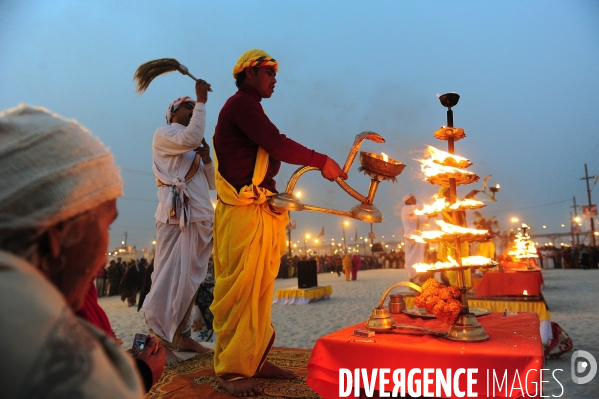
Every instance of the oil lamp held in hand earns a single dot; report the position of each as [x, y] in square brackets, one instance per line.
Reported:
[377, 167]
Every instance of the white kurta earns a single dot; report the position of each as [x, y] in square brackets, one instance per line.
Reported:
[182, 252]
[47, 351]
[414, 251]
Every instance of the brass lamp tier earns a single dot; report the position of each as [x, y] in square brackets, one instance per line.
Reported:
[448, 237]
[376, 167]
[432, 268]
[450, 132]
[444, 180]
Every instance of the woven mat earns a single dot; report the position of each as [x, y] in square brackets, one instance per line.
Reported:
[195, 378]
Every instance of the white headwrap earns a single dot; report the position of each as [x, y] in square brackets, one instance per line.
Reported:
[172, 107]
[407, 197]
[51, 169]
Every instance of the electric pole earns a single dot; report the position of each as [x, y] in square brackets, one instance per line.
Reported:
[574, 220]
[587, 177]
[571, 229]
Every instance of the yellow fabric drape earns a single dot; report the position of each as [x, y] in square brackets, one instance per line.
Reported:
[498, 306]
[311, 293]
[249, 240]
[486, 249]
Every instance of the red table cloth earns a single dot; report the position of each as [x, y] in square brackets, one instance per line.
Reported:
[514, 350]
[510, 283]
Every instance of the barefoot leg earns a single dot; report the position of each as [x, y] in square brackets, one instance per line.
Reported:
[240, 388]
[269, 370]
[189, 344]
[172, 359]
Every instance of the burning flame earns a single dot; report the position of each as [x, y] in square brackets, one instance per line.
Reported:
[451, 263]
[445, 158]
[447, 230]
[477, 261]
[426, 236]
[432, 168]
[458, 230]
[425, 267]
[525, 292]
[441, 204]
[497, 186]
[436, 207]
[467, 203]
[385, 157]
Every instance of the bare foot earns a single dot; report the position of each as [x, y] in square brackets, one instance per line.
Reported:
[269, 370]
[189, 344]
[240, 388]
[172, 359]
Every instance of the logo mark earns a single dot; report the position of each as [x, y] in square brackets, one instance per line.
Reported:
[581, 362]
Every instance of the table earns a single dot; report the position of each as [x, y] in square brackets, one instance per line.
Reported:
[302, 296]
[511, 304]
[514, 347]
[510, 283]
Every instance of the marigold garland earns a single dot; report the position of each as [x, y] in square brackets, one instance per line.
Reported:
[440, 300]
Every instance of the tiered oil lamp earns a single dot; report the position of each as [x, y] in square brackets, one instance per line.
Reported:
[447, 170]
[377, 167]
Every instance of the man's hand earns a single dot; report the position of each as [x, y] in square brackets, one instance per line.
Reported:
[332, 170]
[204, 151]
[154, 355]
[202, 89]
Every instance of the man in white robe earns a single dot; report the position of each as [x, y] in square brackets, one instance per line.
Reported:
[183, 222]
[411, 223]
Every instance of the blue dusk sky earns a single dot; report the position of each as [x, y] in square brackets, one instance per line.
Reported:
[527, 73]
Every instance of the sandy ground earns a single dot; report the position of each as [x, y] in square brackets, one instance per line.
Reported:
[571, 295]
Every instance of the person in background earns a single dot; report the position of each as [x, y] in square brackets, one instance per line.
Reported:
[100, 278]
[347, 266]
[113, 277]
[146, 282]
[130, 283]
[60, 185]
[357, 264]
[411, 223]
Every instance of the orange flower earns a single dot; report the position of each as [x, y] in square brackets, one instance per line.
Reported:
[440, 300]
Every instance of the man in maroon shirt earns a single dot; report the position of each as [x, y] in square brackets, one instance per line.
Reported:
[244, 137]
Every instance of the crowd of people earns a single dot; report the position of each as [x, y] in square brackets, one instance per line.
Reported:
[125, 278]
[334, 263]
[578, 256]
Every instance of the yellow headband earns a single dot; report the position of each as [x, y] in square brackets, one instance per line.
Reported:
[254, 58]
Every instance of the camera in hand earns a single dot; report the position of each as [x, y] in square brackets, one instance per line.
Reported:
[139, 343]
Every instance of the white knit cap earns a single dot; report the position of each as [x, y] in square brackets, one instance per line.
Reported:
[174, 105]
[407, 197]
[51, 169]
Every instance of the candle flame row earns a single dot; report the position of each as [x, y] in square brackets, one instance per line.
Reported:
[441, 204]
[445, 158]
[447, 229]
[451, 263]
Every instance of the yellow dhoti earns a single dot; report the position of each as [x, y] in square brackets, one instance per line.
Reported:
[249, 240]
[486, 249]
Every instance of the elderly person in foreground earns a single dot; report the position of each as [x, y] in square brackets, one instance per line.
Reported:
[58, 199]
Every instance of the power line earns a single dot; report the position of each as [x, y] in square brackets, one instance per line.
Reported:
[535, 206]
